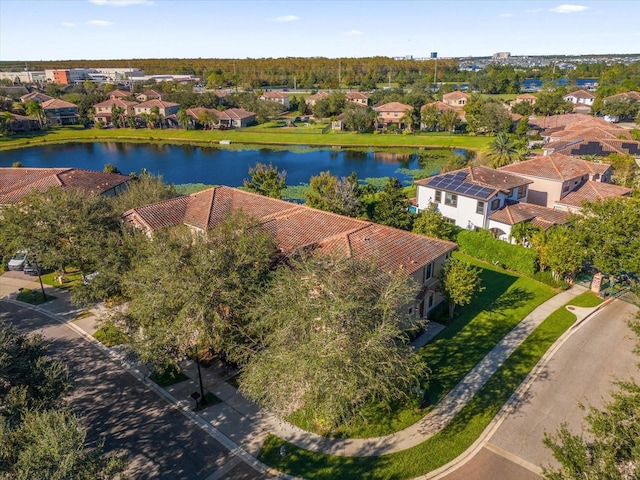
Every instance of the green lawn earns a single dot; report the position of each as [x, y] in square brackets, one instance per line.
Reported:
[252, 135]
[34, 297]
[506, 300]
[453, 439]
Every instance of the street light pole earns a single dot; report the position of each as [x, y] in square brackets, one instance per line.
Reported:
[203, 399]
[44, 296]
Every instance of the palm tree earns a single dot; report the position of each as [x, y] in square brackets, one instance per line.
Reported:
[34, 109]
[183, 119]
[505, 150]
[407, 119]
[448, 120]
[5, 122]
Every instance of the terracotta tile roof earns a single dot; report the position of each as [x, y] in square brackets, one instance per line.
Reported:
[393, 107]
[482, 176]
[596, 146]
[632, 95]
[37, 96]
[559, 121]
[604, 131]
[119, 94]
[580, 94]
[440, 106]
[195, 112]
[296, 226]
[274, 95]
[237, 113]
[155, 102]
[593, 191]
[152, 93]
[556, 167]
[57, 103]
[15, 183]
[317, 96]
[356, 96]
[116, 102]
[454, 96]
[544, 217]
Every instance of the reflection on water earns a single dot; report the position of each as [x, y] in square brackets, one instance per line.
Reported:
[186, 163]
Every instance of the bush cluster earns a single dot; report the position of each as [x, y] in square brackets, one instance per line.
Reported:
[513, 257]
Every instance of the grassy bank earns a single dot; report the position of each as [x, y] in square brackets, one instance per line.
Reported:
[252, 135]
[454, 439]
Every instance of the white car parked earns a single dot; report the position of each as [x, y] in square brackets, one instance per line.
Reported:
[18, 260]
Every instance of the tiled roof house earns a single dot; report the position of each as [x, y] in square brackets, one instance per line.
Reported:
[15, 183]
[103, 109]
[392, 113]
[299, 227]
[278, 97]
[60, 112]
[556, 177]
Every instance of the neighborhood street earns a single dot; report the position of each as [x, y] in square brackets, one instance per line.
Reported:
[161, 443]
[581, 371]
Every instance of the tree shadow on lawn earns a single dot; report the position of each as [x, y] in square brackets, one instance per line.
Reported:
[460, 346]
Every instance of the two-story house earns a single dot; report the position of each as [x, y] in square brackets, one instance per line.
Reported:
[393, 113]
[165, 108]
[562, 182]
[296, 227]
[104, 109]
[36, 97]
[456, 99]
[279, 97]
[149, 95]
[468, 197]
[60, 112]
[311, 100]
[119, 94]
[358, 98]
[580, 97]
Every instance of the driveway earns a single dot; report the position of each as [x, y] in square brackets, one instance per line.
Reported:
[160, 442]
[581, 371]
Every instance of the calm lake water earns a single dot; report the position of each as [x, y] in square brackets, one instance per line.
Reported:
[180, 164]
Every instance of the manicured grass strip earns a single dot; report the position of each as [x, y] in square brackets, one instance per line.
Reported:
[507, 299]
[110, 336]
[253, 135]
[453, 439]
[33, 297]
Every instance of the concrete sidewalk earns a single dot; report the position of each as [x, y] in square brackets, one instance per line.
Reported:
[243, 422]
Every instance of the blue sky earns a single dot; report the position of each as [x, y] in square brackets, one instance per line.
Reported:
[112, 29]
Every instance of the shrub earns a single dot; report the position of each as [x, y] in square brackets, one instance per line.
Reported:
[110, 336]
[547, 277]
[513, 257]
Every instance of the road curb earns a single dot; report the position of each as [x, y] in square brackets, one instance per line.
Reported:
[233, 448]
[506, 409]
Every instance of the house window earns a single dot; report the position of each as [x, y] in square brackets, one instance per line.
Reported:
[565, 187]
[451, 199]
[480, 208]
[495, 204]
[511, 192]
[438, 196]
[428, 271]
[522, 191]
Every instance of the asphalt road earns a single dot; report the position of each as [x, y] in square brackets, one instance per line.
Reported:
[159, 441]
[581, 371]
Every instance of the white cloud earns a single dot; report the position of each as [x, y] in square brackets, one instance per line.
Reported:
[68, 24]
[122, 3]
[568, 8]
[99, 23]
[506, 15]
[286, 18]
[352, 33]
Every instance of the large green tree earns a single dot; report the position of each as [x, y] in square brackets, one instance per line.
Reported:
[459, 282]
[431, 223]
[392, 206]
[332, 194]
[266, 180]
[63, 226]
[332, 330]
[186, 291]
[608, 231]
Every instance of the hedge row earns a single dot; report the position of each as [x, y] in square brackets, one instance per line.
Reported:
[513, 257]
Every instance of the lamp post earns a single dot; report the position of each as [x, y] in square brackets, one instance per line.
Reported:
[35, 260]
[203, 399]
